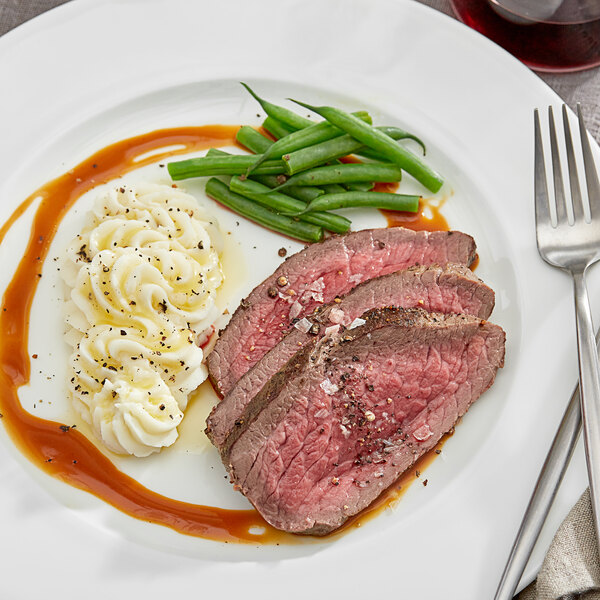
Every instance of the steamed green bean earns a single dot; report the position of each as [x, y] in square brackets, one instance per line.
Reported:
[317, 155]
[281, 203]
[345, 173]
[379, 141]
[359, 186]
[284, 115]
[276, 128]
[253, 140]
[229, 164]
[308, 136]
[301, 230]
[372, 199]
[304, 193]
[290, 185]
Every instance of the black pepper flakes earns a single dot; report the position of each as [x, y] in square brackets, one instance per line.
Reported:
[272, 292]
[282, 252]
[65, 428]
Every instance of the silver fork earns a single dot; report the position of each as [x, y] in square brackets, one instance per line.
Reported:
[574, 247]
[555, 244]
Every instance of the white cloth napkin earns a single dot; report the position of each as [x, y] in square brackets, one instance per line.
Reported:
[571, 569]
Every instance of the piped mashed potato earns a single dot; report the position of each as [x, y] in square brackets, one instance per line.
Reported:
[142, 277]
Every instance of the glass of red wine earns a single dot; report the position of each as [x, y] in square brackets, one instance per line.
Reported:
[547, 35]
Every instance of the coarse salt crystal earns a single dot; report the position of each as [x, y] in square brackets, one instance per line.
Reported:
[321, 413]
[295, 309]
[423, 433]
[345, 431]
[354, 279]
[356, 323]
[328, 387]
[314, 291]
[318, 285]
[303, 325]
[332, 330]
[336, 315]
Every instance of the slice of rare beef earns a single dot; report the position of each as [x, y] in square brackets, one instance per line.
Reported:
[350, 413]
[315, 276]
[449, 289]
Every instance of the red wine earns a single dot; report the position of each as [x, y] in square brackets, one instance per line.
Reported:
[541, 45]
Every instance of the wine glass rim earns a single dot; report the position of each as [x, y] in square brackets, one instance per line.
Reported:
[568, 12]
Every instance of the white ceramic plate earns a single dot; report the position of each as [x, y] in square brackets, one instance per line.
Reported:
[92, 72]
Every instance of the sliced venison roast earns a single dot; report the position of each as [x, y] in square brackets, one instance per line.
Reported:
[352, 411]
[315, 276]
[449, 289]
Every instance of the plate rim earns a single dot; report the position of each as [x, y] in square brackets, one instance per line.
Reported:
[55, 15]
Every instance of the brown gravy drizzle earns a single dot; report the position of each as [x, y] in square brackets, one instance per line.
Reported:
[60, 450]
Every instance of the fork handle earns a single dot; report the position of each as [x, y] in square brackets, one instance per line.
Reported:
[546, 487]
[589, 381]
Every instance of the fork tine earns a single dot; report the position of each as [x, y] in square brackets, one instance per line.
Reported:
[591, 175]
[559, 188]
[542, 211]
[578, 211]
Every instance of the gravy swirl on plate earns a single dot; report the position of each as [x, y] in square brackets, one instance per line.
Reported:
[59, 449]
